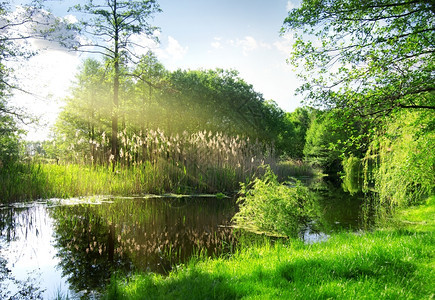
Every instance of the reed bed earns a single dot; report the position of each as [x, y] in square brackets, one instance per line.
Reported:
[150, 162]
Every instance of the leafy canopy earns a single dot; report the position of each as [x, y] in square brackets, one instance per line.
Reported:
[111, 24]
[368, 58]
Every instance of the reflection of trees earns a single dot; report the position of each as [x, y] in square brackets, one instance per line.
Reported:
[14, 218]
[137, 234]
[335, 209]
[16, 223]
[84, 242]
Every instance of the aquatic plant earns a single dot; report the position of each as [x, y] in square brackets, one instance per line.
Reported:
[149, 163]
[272, 207]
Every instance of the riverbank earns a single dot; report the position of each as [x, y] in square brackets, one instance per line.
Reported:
[393, 262]
[22, 182]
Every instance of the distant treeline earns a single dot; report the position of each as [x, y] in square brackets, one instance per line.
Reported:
[154, 101]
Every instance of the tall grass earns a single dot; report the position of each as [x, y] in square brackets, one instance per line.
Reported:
[200, 150]
[392, 263]
[152, 163]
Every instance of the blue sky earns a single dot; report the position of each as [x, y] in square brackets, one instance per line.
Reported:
[230, 34]
[239, 34]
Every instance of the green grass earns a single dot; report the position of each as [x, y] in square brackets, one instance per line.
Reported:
[24, 182]
[391, 263]
[31, 181]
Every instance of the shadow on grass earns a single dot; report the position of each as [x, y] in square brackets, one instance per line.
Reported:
[194, 285]
[303, 279]
[379, 265]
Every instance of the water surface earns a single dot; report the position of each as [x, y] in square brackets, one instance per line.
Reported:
[73, 247]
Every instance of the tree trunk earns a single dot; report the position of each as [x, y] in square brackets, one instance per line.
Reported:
[115, 94]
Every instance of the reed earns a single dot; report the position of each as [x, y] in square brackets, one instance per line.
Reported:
[149, 163]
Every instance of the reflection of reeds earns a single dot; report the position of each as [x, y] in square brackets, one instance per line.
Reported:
[145, 233]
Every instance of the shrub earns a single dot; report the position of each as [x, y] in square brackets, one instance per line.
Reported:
[272, 207]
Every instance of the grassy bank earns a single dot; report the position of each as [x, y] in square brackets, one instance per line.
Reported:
[31, 181]
[395, 262]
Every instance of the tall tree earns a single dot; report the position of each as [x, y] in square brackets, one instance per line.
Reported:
[85, 117]
[300, 120]
[110, 26]
[367, 58]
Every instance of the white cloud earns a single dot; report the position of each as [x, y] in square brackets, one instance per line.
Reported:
[170, 49]
[290, 6]
[217, 44]
[71, 19]
[46, 30]
[285, 43]
[174, 49]
[143, 43]
[249, 44]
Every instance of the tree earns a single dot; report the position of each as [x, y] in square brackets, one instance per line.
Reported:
[10, 51]
[321, 139]
[300, 120]
[328, 140]
[83, 121]
[110, 27]
[149, 74]
[367, 58]
[215, 100]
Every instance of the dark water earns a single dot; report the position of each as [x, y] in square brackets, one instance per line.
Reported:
[73, 247]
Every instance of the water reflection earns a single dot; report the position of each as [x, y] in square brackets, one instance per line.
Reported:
[337, 210]
[137, 235]
[27, 259]
[76, 248]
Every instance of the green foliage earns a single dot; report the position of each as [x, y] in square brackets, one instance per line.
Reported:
[297, 168]
[352, 178]
[329, 139]
[272, 207]
[220, 101]
[295, 136]
[154, 100]
[393, 263]
[366, 58]
[404, 159]
[109, 30]
[9, 140]
[321, 141]
[198, 163]
[11, 48]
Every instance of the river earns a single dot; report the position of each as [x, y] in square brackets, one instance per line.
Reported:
[73, 247]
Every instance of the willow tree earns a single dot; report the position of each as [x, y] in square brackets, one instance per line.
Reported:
[367, 58]
[110, 26]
